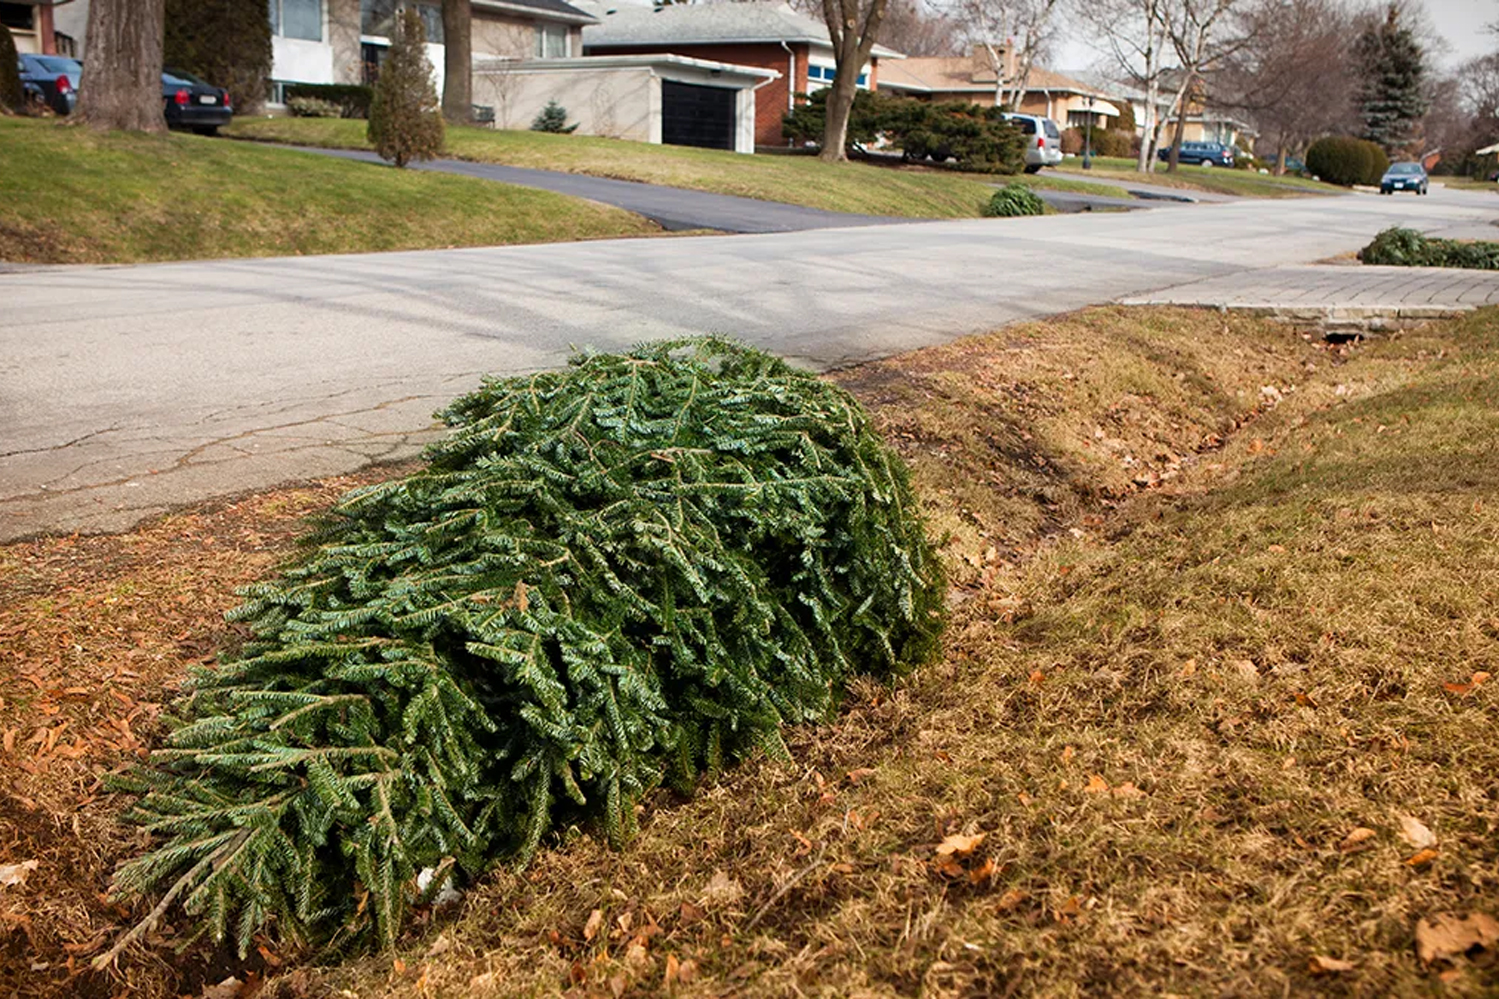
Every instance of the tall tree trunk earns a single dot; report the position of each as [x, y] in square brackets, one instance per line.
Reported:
[458, 68]
[1280, 157]
[121, 84]
[852, 44]
[1174, 160]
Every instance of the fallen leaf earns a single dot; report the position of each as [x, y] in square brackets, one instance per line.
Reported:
[1328, 965]
[689, 913]
[1096, 785]
[722, 888]
[983, 873]
[1068, 909]
[229, 988]
[959, 845]
[1010, 900]
[15, 874]
[1067, 753]
[1256, 446]
[1445, 936]
[857, 776]
[1127, 790]
[1189, 667]
[1357, 840]
[1420, 858]
[950, 867]
[687, 972]
[398, 966]
[1037, 676]
[595, 920]
[1414, 832]
[673, 970]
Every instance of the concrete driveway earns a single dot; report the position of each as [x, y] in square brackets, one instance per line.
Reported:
[127, 390]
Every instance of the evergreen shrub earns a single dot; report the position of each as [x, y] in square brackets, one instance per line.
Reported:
[1014, 200]
[1399, 247]
[405, 117]
[553, 118]
[313, 107]
[1341, 159]
[353, 99]
[12, 95]
[226, 42]
[632, 571]
[978, 138]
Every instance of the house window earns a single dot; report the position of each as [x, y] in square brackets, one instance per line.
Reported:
[551, 41]
[823, 76]
[377, 18]
[17, 16]
[297, 19]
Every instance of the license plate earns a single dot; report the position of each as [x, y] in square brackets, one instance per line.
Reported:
[207, 99]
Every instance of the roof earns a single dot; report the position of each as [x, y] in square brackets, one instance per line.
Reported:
[729, 72]
[967, 74]
[767, 21]
[551, 10]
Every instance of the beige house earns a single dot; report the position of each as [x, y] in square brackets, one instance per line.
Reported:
[974, 78]
[33, 25]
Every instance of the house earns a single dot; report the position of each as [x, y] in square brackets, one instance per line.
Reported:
[344, 41]
[33, 25]
[1204, 123]
[975, 78]
[759, 34]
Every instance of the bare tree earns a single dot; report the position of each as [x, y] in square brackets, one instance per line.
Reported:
[457, 62]
[1194, 29]
[1014, 34]
[853, 26]
[1134, 36]
[1293, 75]
[121, 85]
[914, 28]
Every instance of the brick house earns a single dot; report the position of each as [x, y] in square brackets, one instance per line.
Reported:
[760, 34]
[34, 27]
[973, 78]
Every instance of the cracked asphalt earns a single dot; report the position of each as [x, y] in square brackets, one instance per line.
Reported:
[127, 391]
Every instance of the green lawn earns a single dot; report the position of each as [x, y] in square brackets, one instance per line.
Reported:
[799, 180]
[1246, 183]
[71, 196]
[1466, 184]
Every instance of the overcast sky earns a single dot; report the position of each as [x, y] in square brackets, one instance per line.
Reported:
[1460, 23]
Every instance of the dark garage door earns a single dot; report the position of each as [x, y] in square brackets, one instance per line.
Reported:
[697, 116]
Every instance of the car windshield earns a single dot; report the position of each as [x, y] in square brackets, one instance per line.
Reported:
[1405, 168]
[55, 64]
[180, 78]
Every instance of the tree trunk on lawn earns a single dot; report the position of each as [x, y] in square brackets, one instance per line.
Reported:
[458, 69]
[852, 26]
[1176, 140]
[1280, 158]
[121, 85]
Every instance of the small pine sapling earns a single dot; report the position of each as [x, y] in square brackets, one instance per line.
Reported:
[553, 118]
[405, 116]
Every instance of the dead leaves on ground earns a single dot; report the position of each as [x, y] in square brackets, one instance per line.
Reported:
[1445, 937]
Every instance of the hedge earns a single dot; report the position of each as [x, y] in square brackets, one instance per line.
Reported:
[630, 572]
[1408, 248]
[1014, 200]
[977, 138]
[352, 99]
[1340, 159]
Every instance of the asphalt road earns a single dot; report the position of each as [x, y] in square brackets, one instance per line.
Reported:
[127, 390]
[674, 209]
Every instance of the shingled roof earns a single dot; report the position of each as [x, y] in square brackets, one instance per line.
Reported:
[552, 10]
[968, 74]
[623, 25]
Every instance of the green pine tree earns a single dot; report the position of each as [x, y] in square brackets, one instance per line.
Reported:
[1392, 92]
[226, 42]
[552, 118]
[405, 115]
[12, 97]
[631, 572]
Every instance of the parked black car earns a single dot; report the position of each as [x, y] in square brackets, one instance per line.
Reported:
[192, 103]
[1201, 153]
[51, 80]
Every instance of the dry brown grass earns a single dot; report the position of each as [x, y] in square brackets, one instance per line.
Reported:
[1166, 704]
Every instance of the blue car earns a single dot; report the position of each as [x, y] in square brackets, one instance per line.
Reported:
[1201, 153]
[51, 81]
[1404, 177]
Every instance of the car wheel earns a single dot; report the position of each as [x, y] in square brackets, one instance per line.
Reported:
[1204, 163]
[1033, 168]
[207, 130]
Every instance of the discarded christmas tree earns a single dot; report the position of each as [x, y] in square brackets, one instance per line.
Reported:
[632, 571]
[405, 116]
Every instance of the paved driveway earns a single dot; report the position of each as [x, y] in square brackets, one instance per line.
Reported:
[125, 390]
[673, 208]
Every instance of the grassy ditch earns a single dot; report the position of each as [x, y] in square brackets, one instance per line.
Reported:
[859, 188]
[70, 196]
[1212, 718]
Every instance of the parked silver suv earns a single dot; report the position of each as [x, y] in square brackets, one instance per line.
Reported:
[1043, 140]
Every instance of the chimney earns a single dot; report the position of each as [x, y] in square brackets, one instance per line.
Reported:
[983, 64]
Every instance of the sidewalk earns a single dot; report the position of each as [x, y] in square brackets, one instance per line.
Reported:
[1338, 291]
